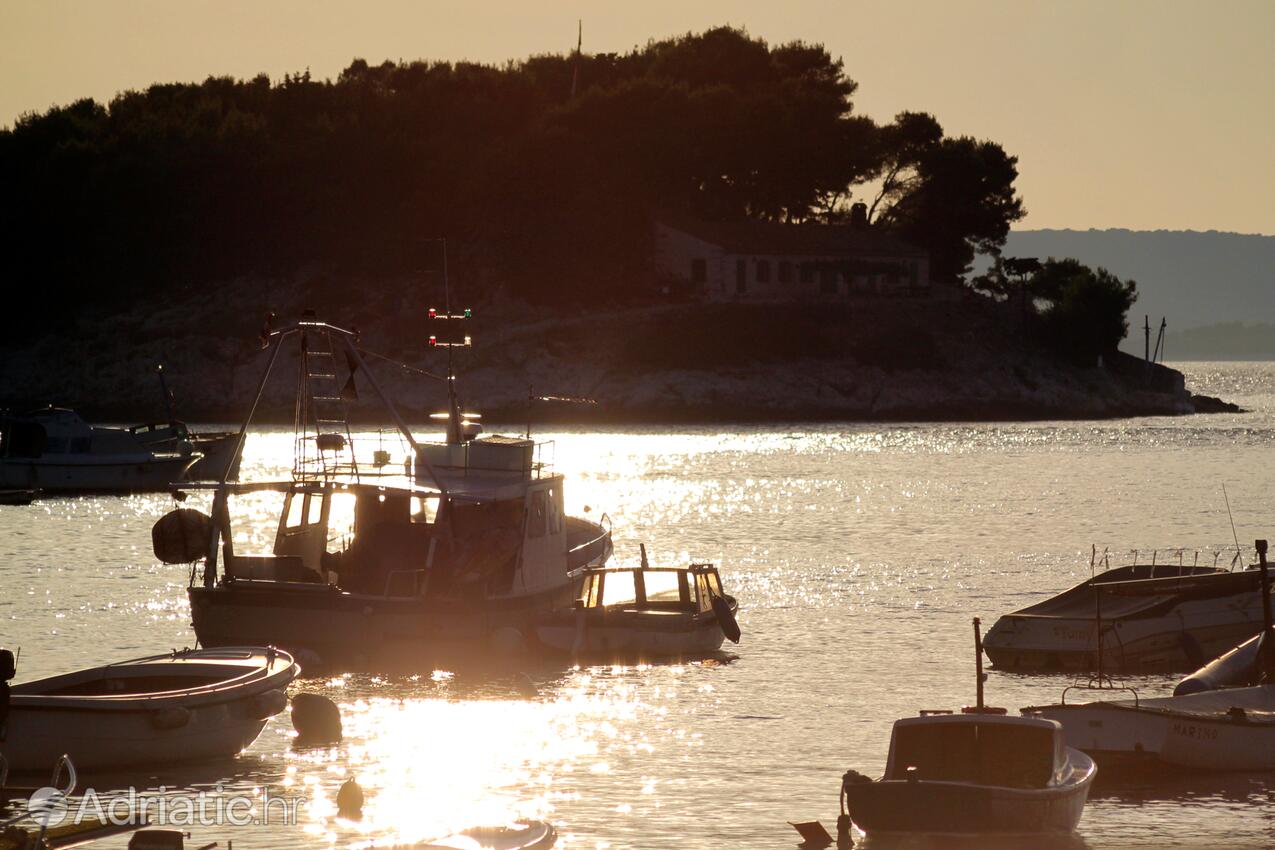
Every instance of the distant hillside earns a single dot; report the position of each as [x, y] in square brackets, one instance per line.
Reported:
[1191, 279]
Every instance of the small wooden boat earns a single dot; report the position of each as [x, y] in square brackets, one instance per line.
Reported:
[1230, 729]
[644, 612]
[182, 706]
[523, 835]
[973, 772]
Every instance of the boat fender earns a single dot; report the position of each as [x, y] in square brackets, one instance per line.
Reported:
[267, 704]
[349, 800]
[316, 719]
[181, 536]
[726, 619]
[170, 718]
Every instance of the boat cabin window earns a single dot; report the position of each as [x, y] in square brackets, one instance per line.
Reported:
[424, 510]
[619, 589]
[81, 445]
[1005, 754]
[666, 586]
[702, 598]
[55, 446]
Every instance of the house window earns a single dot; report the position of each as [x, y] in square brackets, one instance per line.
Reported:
[763, 271]
[699, 271]
[807, 272]
[785, 271]
[828, 281]
[741, 276]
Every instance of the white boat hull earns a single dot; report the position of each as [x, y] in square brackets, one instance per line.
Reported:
[1203, 731]
[135, 474]
[214, 704]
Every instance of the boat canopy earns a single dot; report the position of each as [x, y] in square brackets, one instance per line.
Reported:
[1011, 752]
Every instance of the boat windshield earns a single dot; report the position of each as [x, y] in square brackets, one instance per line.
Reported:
[1010, 755]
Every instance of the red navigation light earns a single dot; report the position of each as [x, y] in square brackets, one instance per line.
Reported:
[433, 341]
[433, 314]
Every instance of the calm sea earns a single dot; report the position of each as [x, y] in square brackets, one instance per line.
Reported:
[859, 554]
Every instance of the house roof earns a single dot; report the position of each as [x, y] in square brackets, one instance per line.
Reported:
[805, 240]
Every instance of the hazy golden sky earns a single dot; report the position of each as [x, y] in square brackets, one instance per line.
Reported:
[1143, 115]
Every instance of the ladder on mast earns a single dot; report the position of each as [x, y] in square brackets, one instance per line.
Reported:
[326, 447]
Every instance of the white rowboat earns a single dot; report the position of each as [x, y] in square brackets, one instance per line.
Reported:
[178, 707]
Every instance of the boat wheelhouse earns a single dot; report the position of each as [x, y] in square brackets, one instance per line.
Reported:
[369, 567]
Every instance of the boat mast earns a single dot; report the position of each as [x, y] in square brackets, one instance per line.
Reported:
[1266, 673]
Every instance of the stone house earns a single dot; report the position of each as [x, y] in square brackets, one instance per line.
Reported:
[765, 261]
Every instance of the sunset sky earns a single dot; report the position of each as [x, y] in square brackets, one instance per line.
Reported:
[1145, 115]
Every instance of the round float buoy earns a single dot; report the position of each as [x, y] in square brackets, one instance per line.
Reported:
[349, 800]
[181, 536]
[316, 719]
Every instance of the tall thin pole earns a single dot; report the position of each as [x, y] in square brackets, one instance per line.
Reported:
[1268, 651]
[978, 660]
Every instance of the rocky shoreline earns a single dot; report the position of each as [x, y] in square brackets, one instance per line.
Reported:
[873, 360]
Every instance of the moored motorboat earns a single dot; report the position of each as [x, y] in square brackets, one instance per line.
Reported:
[974, 772]
[1224, 728]
[644, 613]
[1151, 618]
[177, 707]
[54, 450]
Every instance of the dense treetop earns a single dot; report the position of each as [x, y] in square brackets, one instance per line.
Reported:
[543, 174]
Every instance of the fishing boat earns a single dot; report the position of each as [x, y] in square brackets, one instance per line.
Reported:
[178, 707]
[1204, 727]
[1150, 617]
[56, 451]
[644, 612]
[371, 567]
[976, 771]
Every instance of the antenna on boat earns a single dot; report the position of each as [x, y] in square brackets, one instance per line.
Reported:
[450, 338]
[1232, 519]
[165, 392]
